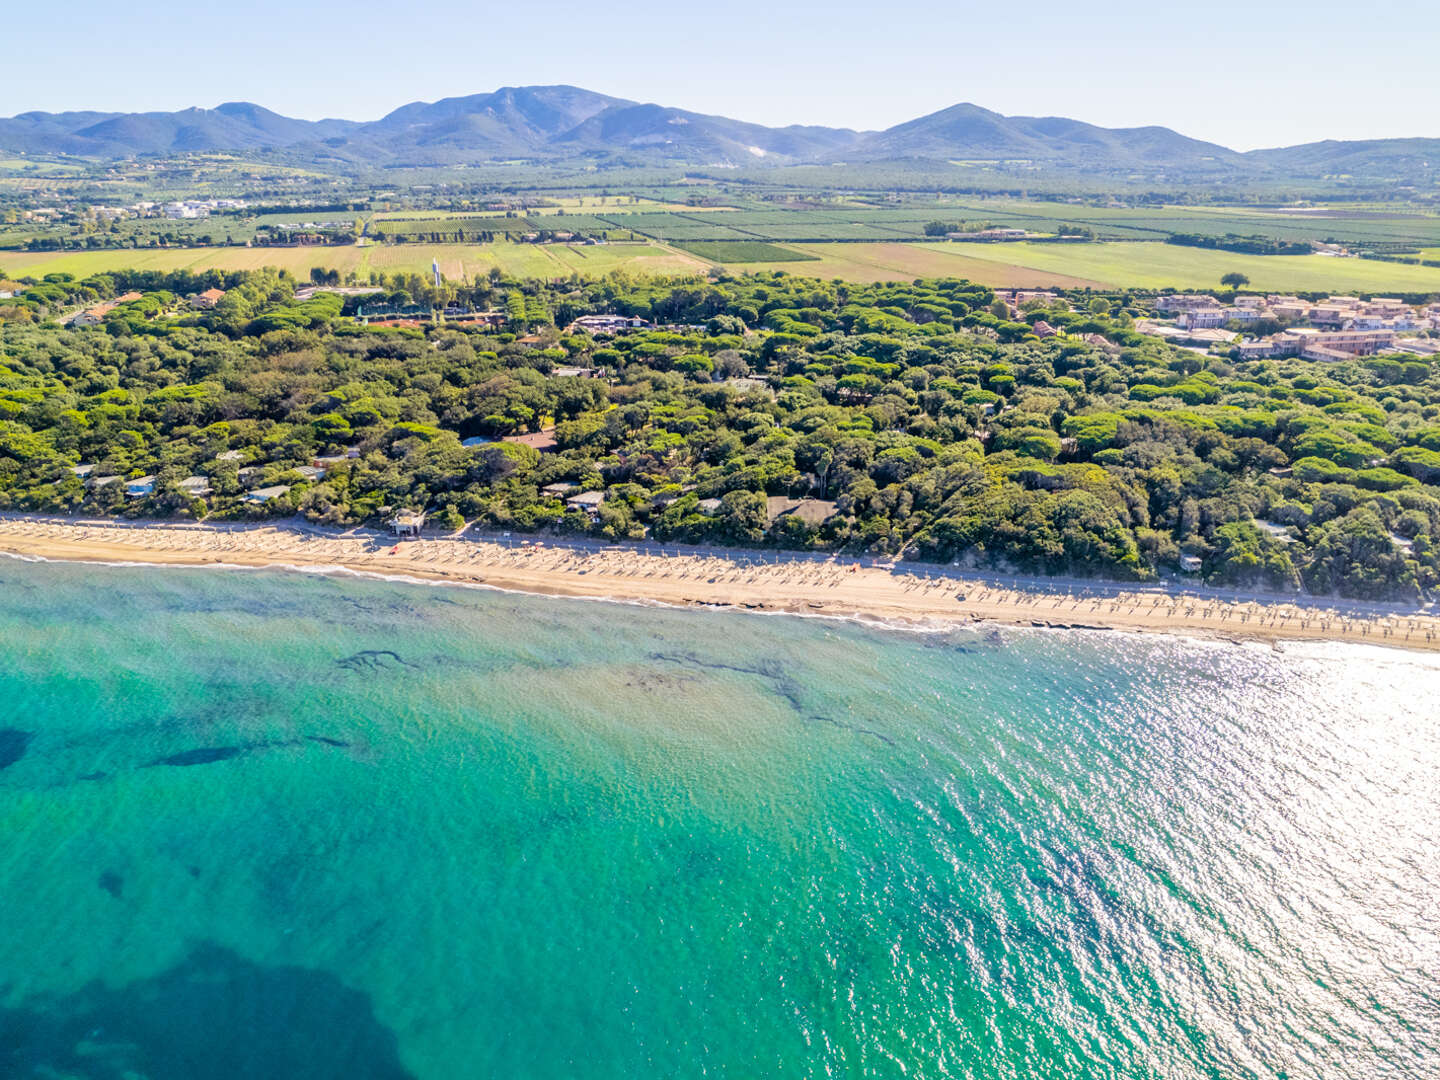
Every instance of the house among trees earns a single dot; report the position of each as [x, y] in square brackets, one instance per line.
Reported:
[260, 496]
[206, 300]
[587, 501]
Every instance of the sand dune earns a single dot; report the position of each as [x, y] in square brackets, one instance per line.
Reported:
[811, 585]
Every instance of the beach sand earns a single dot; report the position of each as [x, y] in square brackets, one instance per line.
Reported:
[910, 594]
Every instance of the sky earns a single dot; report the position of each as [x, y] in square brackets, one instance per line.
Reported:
[1243, 74]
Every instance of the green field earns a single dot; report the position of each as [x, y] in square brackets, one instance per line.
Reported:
[1157, 266]
[457, 261]
[1020, 265]
[744, 251]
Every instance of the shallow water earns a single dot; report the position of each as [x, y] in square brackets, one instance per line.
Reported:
[261, 824]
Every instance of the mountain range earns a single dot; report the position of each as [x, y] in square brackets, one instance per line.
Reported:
[553, 123]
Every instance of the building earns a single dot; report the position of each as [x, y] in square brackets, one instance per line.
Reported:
[208, 299]
[195, 486]
[600, 325]
[1202, 318]
[260, 496]
[1334, 315]
[1190, 564]
[489, 319]
[1314, 344]
[989, 234]
[1185, 302]
[92, 316]
[140, 487]
[588, 502]
[407, 524]
[1289, 308]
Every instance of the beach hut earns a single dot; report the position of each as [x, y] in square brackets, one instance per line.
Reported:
[195, 486]
[140, 487]
[407, 524]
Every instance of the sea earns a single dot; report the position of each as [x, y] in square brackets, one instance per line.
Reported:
[268, 824]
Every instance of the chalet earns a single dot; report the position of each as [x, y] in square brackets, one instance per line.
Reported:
[81, 471]
[195, 486]
[1190, 564]
[140, 487]
[560, 490]
[208, 299]
[709, 507]
[1043, 329]
[230, 455]
[260, 496]
[311, 473]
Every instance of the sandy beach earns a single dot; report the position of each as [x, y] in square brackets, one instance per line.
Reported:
[808, 584]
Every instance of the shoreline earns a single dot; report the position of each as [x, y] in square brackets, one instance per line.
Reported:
[916, 596]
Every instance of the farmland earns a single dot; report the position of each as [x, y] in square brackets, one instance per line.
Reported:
[744, 251]
[457, 261]
[906, 262]
[1156, 266]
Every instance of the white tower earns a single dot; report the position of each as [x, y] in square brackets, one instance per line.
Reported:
[435, 269]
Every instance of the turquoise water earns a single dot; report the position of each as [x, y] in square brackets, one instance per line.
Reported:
[268, 825]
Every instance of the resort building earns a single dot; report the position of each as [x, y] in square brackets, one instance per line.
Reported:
[407, 524]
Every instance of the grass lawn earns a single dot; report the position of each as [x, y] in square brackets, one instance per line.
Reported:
[1156, 265]
[456, 260]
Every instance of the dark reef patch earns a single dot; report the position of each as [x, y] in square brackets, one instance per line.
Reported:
[214, 1016]
[374, 660]
[325, 740]
[112, 883]
[205, 755]
[13, 744]
[780, 682]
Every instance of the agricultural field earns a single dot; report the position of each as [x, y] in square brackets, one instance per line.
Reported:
[1118, 264]
[1159, 265]
[1356, 227]
[744, 251]
[906, 262]
[457, 261]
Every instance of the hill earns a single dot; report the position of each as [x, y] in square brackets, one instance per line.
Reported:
[553, 123]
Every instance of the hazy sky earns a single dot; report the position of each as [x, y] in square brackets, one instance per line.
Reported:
[1257, 73]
